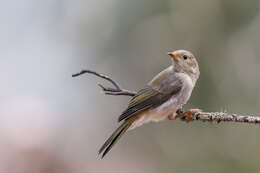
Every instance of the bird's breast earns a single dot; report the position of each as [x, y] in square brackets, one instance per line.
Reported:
[186, 90]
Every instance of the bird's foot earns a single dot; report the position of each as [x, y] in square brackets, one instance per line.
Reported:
[177, 114]
[187, 116]
[172, 117]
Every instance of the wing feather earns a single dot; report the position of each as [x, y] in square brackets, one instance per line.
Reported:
[146, 100]
[159, 90]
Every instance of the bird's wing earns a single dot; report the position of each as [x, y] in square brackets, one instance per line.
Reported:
[154, 94]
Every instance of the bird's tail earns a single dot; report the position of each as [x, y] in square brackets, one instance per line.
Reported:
[110, 142]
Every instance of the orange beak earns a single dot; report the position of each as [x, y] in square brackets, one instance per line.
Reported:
[175, 57]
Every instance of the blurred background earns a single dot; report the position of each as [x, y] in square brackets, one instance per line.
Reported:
[53, 123]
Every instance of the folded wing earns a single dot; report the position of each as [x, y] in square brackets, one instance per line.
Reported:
[153, 95]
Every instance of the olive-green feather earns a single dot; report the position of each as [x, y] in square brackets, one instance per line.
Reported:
[111, 141]
[160, 89]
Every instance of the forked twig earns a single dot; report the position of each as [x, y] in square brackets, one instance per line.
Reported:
[108, 90]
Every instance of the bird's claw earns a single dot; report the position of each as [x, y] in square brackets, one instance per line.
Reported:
[187, 116]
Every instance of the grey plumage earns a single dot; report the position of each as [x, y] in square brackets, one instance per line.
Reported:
[163, 95]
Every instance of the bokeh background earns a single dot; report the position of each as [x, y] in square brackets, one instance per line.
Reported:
[53, 123]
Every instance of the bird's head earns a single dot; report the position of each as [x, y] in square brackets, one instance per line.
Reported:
[185, 62]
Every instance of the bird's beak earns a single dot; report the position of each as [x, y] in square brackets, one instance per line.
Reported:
[175, 57]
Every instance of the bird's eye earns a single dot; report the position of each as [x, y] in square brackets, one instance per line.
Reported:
[185, 57]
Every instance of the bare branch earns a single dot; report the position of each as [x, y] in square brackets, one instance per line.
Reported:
[225, 117]
[107, 90]
[202, 116]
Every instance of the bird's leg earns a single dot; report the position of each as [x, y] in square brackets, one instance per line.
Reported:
[175, 115]
[187, 116]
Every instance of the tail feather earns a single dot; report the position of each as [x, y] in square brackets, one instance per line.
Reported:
[111, 141]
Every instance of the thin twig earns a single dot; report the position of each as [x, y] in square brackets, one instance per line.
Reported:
[107, 90]
[202, 116]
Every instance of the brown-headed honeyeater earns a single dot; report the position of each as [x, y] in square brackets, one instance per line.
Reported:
[160, 98]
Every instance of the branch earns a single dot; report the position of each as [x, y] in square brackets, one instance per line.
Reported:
[225, 117]
[202, 116]
[107, 90]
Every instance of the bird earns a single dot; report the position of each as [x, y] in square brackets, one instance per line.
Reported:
[165, 94]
